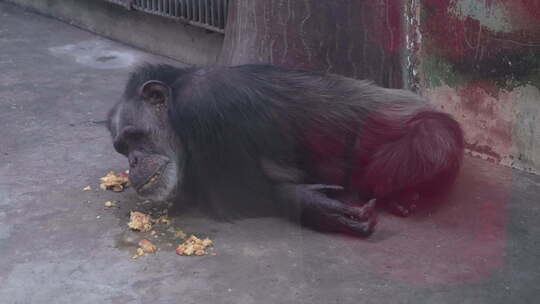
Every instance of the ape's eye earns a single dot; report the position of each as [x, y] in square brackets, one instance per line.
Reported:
[131, 133]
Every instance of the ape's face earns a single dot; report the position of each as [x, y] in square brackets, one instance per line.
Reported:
[141, 131]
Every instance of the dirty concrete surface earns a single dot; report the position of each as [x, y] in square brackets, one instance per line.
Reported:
[59, 244]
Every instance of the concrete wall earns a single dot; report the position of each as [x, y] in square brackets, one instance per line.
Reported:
[155, 34]
[480, 61]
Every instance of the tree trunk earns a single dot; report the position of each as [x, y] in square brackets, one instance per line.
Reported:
[357, 38]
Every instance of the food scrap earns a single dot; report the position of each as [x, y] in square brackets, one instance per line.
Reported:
[194, 246]
[179, 234]
[139, 253]
[87, 188]
[164, 220]
[140, 221]
[114, 182]
[110, 204]
[144, 222]
[145, 248]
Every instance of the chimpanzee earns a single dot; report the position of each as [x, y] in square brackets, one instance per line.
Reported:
[321, 144]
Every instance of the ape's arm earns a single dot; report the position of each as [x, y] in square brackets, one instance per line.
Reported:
[326, 213]
[311, 204]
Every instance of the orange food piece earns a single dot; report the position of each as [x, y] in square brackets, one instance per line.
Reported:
[114, 182]
[194, 246]
[147, 246]
[140, 221]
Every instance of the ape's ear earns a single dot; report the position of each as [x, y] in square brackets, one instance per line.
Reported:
[155, 92]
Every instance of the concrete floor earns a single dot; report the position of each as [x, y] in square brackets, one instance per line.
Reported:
[58, 244]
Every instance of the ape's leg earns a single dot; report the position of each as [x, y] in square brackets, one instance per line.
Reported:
[322, 212]
[424, 160]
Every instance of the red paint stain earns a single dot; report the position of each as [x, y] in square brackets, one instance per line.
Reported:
[464, 38]
[473, 98]
[480, 98]
[530, 7]
[452, 37]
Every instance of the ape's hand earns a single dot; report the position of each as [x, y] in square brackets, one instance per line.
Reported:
[329, 214]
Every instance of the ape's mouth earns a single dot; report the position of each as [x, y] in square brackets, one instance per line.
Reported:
[153, 180]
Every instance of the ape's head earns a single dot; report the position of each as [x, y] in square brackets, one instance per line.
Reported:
[141, 131]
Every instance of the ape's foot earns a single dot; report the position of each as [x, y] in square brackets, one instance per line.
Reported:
[403, 207]
[325, 213]
[359, 220]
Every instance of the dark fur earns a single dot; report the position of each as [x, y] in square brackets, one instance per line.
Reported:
[254, 132]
